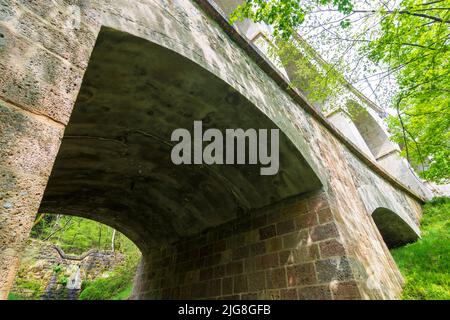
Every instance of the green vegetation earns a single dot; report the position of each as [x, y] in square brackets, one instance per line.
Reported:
[14, 296]
[408, 39]
[285, 15]
[417, 45]
[76, 236]
[425, 264]
[63, 280]
[114, 285]
[29, 289]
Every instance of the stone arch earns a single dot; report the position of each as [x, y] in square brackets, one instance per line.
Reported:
[395, 223]
[374, 135]
[114, 162]
[394, 230]
[376, 143]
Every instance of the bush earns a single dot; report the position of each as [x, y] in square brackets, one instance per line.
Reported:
[117, 286]
[27, 289]
[63, 280]
[14, 296]
[57, 269]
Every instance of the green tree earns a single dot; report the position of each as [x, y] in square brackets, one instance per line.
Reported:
[284, 15]
[411, 38]
[77, 235]
[414, 42]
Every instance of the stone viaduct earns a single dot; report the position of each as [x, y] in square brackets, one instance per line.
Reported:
[90, 92]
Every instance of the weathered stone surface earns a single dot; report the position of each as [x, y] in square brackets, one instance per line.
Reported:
[301, 275]
[345, 290]
[38, 80]
[27, 144]
[333, 269]
[321, 292]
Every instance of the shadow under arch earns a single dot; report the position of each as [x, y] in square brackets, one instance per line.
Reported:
[394, 221]
[394, 230]
[114, 162]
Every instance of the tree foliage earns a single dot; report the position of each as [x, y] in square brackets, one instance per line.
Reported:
[284, 15]
[315, 82]
[77, 235]
[410, 38]
[414, 42]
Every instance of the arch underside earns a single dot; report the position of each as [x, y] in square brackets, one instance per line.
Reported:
[374, 136]
[394, 230]
[392, 216]
[114, 163]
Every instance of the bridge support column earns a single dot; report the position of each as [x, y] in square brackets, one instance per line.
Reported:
[28, 147]
[292, 250]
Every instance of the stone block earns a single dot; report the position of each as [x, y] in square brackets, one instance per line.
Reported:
[345, 291]
[227, 286]
[325, 215]
[331, 248]
[285, 226]
[289, 294]
[276, 278]
[301, 275]
[324, 231]
[234, 268]
[306, 220]
[321, 292]
[240, 284]
[267, 232]
[333, 269]
[256, 281]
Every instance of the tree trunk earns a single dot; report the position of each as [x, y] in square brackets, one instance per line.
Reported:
[113, 240]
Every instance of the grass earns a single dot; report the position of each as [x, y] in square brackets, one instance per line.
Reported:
[13, 296]
[117, 285]
[124, 294]
[27, 289]
[425, 264]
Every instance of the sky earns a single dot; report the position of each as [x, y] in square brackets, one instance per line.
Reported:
[322, 30]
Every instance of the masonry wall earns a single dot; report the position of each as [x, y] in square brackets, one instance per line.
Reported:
[291, 250]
